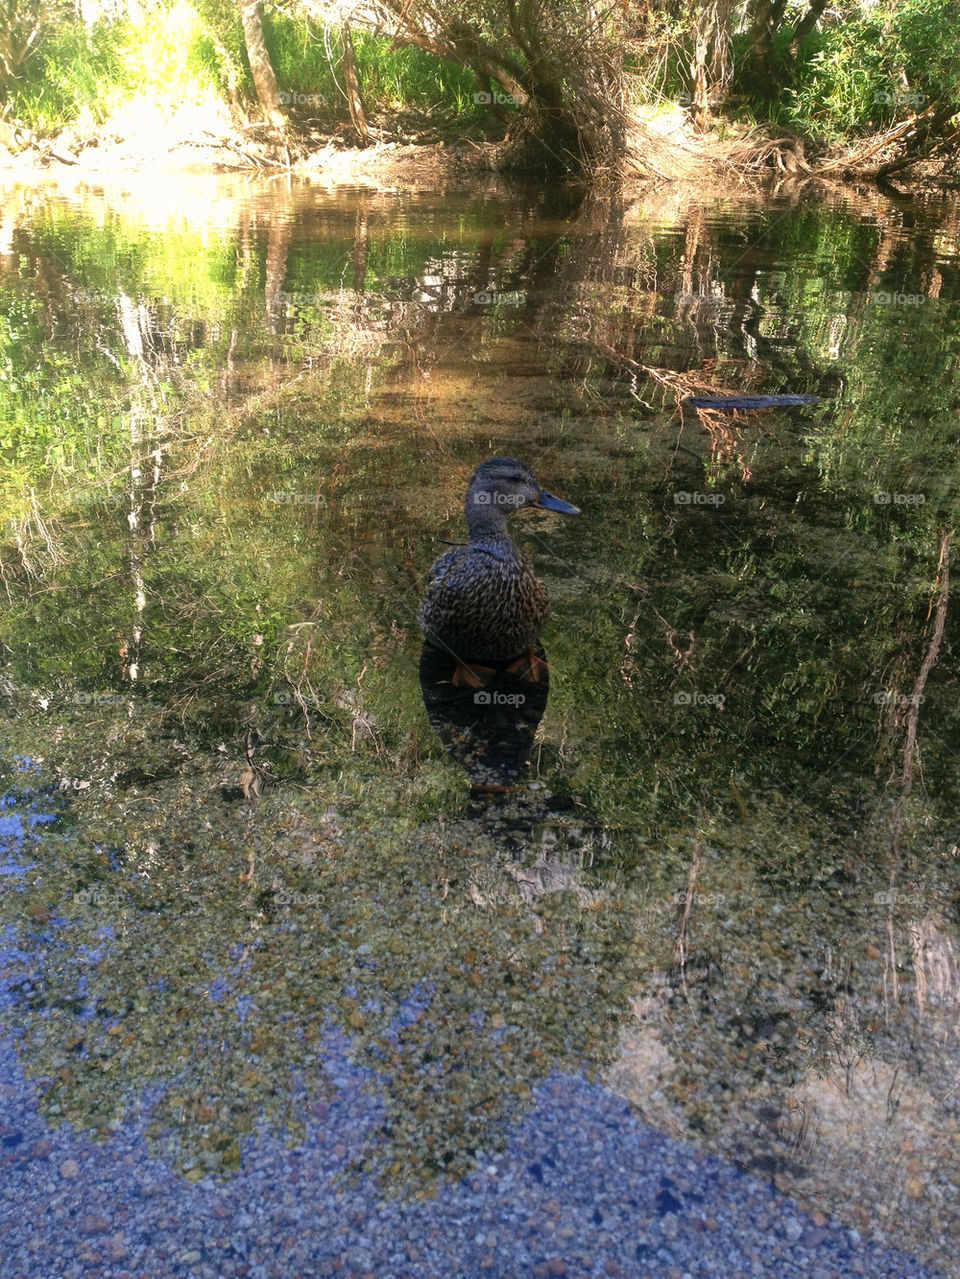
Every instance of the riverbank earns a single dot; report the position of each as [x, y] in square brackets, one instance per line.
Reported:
[417, 152]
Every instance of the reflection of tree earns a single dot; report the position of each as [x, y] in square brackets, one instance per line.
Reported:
[275, 266]
[916, 695]
[779, 1046]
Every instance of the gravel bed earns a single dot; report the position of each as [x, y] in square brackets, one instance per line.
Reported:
[582, 1189]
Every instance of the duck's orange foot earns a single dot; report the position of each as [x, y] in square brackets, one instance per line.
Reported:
[472, 676]
[530, 668]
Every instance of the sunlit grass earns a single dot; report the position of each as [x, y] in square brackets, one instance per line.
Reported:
[175, 55]
[170, 57]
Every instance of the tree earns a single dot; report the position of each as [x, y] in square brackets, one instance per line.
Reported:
[772, 72]
[24, 24]
[351, 85]
[558, 66]
[710, 64]
[261, 68]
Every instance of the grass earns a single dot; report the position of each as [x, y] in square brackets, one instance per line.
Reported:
[79, 72]
[178, 53]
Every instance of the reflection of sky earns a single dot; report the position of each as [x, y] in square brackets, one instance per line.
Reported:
[18, 968]
[218, 989]
[12, 823]
[11, 836]
[15, 965]
[625, 1194]
[410, 1009]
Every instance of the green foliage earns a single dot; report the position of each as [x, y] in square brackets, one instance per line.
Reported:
[83, 74]
[306, 60]
[79, 71]
[180, 52]
[874, 67]
[853, 74]
[24, 28]
[391, 76]
[170, 55]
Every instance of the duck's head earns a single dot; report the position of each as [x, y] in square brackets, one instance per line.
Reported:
[501, 485]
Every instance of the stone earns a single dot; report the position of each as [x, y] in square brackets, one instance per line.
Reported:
[792, 1229]
[93, 1223]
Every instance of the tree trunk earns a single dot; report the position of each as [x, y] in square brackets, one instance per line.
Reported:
[765, 17]
[806, 25]
[261, 68]
[710, 59]
[770, 73]
[352, 86]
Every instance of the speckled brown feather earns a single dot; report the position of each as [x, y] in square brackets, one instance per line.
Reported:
[483, 602]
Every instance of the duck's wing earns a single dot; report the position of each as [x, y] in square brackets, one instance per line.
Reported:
[443, 564]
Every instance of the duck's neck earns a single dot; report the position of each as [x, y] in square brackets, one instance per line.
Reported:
[486, 521]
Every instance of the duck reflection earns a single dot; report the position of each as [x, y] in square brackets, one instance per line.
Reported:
[487, 729]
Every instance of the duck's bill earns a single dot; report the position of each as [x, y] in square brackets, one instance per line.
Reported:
[551, 503]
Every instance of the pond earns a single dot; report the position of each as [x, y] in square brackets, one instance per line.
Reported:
[255, 911]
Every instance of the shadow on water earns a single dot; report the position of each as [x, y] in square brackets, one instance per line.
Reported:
[489, 731]
[725, 880]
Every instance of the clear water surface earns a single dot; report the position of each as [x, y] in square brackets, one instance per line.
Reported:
[237, 422]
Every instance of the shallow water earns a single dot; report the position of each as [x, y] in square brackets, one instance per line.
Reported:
[238, 421]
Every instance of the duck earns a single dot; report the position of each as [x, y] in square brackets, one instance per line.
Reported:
[483, 603]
